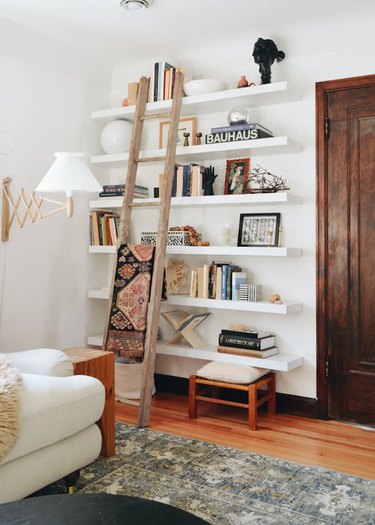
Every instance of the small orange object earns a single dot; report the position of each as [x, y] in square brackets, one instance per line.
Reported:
[242, 82]
[125, 102]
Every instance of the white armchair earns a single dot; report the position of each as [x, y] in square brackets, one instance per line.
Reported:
[57, 430]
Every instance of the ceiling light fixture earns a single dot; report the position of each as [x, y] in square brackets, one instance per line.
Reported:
[135, 5]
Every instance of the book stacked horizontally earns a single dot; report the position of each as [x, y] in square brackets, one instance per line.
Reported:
[237, 132]
[251, 343]
[118, 190]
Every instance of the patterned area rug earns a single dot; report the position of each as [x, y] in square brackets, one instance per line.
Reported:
[226, 486]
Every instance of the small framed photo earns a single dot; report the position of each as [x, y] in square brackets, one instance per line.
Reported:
[259, 229]
[186, 125]
[236, 176]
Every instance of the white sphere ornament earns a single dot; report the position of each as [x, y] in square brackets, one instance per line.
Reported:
[116, 136]
[239, 116]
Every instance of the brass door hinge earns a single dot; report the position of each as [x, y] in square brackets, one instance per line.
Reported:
[326, 128]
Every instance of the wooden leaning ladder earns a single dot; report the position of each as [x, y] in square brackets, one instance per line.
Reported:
[162, 232]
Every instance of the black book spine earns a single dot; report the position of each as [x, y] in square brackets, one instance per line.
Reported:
[248, 335]
[238, 342]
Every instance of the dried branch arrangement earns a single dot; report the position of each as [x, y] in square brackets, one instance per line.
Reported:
[262, 181]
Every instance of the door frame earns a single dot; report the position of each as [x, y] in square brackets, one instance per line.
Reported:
[322, 90]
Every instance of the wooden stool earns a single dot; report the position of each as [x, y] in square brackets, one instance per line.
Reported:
[254, 401]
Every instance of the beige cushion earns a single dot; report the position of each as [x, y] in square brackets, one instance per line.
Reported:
[54, 408]
[42, 361]
[231, 373]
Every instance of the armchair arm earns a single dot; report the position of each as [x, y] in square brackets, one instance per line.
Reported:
[42, 361]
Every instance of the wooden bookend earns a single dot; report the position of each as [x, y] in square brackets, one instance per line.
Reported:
[190, 335]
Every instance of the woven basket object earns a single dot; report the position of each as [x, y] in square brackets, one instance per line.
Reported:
[175, 238]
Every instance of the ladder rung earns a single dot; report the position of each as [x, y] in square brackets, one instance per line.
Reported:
[136, 204]
[151, 116]
[152, 159]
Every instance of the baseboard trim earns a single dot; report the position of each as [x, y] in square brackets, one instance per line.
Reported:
[297, 405]
[174, 385]
[285, 403]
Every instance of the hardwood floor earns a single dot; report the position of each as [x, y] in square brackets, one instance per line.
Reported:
[340, 446]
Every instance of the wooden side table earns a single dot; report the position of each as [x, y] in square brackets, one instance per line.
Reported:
[99, 364]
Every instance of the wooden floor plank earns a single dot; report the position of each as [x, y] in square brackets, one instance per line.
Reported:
[340, 446]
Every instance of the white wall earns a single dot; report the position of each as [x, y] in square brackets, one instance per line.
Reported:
[313, 53]
[45, 105]
[43, 267]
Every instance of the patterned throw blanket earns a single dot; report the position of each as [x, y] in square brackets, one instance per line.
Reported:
[10, 382]
[131, 295]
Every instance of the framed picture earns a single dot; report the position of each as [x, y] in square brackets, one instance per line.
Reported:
[186, 125]
[236, 176]
[259, 229]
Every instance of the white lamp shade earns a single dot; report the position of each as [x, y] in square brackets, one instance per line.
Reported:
[68, 174]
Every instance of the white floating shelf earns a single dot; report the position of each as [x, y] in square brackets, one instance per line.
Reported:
[281, 197]
[95, 340]
[287, 307]
[262, 95]
[235, 250]
[227, 150]
[256, 251]
[98, 294]
[102, 249]
[281, 362]
[278, 362]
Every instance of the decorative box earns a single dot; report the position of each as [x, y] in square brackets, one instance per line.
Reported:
[174, 238]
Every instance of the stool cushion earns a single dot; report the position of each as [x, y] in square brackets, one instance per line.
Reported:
[231, 372]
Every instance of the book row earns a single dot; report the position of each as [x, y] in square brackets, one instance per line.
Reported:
[217, 280]
[163, 81]
[104, 227]
[188, 180]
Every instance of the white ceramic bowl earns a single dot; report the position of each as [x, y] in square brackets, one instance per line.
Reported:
[203, 85]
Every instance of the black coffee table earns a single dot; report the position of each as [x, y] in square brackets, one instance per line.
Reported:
[93, 509]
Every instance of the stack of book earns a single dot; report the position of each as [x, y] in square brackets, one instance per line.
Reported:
[237, 132]
[118, 190]
[218, 280]
[251, 343]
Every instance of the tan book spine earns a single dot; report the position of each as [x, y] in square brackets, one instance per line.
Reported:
[179, 181]
[194, 283]
[206, 280]
[95, 228]
[200, 282]
[261, 354]
[218, 283]
[132, 93]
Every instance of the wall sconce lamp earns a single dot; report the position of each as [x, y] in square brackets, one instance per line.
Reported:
[68, 174]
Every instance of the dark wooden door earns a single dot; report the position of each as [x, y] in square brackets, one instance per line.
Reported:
[346, 248]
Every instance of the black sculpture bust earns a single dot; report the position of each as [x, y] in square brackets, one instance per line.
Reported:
[265, 52]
